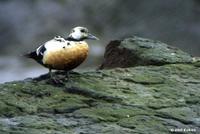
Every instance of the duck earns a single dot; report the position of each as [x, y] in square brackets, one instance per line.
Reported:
[62, 53]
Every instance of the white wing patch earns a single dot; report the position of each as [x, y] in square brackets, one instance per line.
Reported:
[56, 44]
[38, 50]
[59, 38]
[59, 43]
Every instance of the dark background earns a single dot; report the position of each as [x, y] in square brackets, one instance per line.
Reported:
[25, 24]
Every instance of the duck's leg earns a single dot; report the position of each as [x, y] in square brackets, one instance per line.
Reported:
[50, 73]
[69, 80]
[67, 74]
[54, 80]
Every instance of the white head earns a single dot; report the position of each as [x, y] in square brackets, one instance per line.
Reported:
[81, 33]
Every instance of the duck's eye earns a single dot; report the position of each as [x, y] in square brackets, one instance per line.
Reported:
[82, 31]
[73, 31]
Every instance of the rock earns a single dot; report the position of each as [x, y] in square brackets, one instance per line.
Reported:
[143, 99]
[132, 100]
[138, 51]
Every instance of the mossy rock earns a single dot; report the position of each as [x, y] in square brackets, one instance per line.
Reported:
[147, 99]
[153, 99]
[136, 51]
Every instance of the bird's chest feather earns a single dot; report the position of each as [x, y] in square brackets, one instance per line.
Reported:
[65, 56]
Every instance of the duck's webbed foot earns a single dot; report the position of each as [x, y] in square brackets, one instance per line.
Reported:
[55, 81]
[68, 78]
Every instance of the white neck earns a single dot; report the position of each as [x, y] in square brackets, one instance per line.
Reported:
[75, 35]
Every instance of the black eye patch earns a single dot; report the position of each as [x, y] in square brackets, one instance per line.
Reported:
[82, 31]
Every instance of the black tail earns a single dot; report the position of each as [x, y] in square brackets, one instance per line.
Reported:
[32, 55]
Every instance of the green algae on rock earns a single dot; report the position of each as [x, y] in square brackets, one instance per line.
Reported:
[137, 51]
[153, 99]
[132, 100]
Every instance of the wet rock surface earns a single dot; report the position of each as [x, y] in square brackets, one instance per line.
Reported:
[141, 99]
